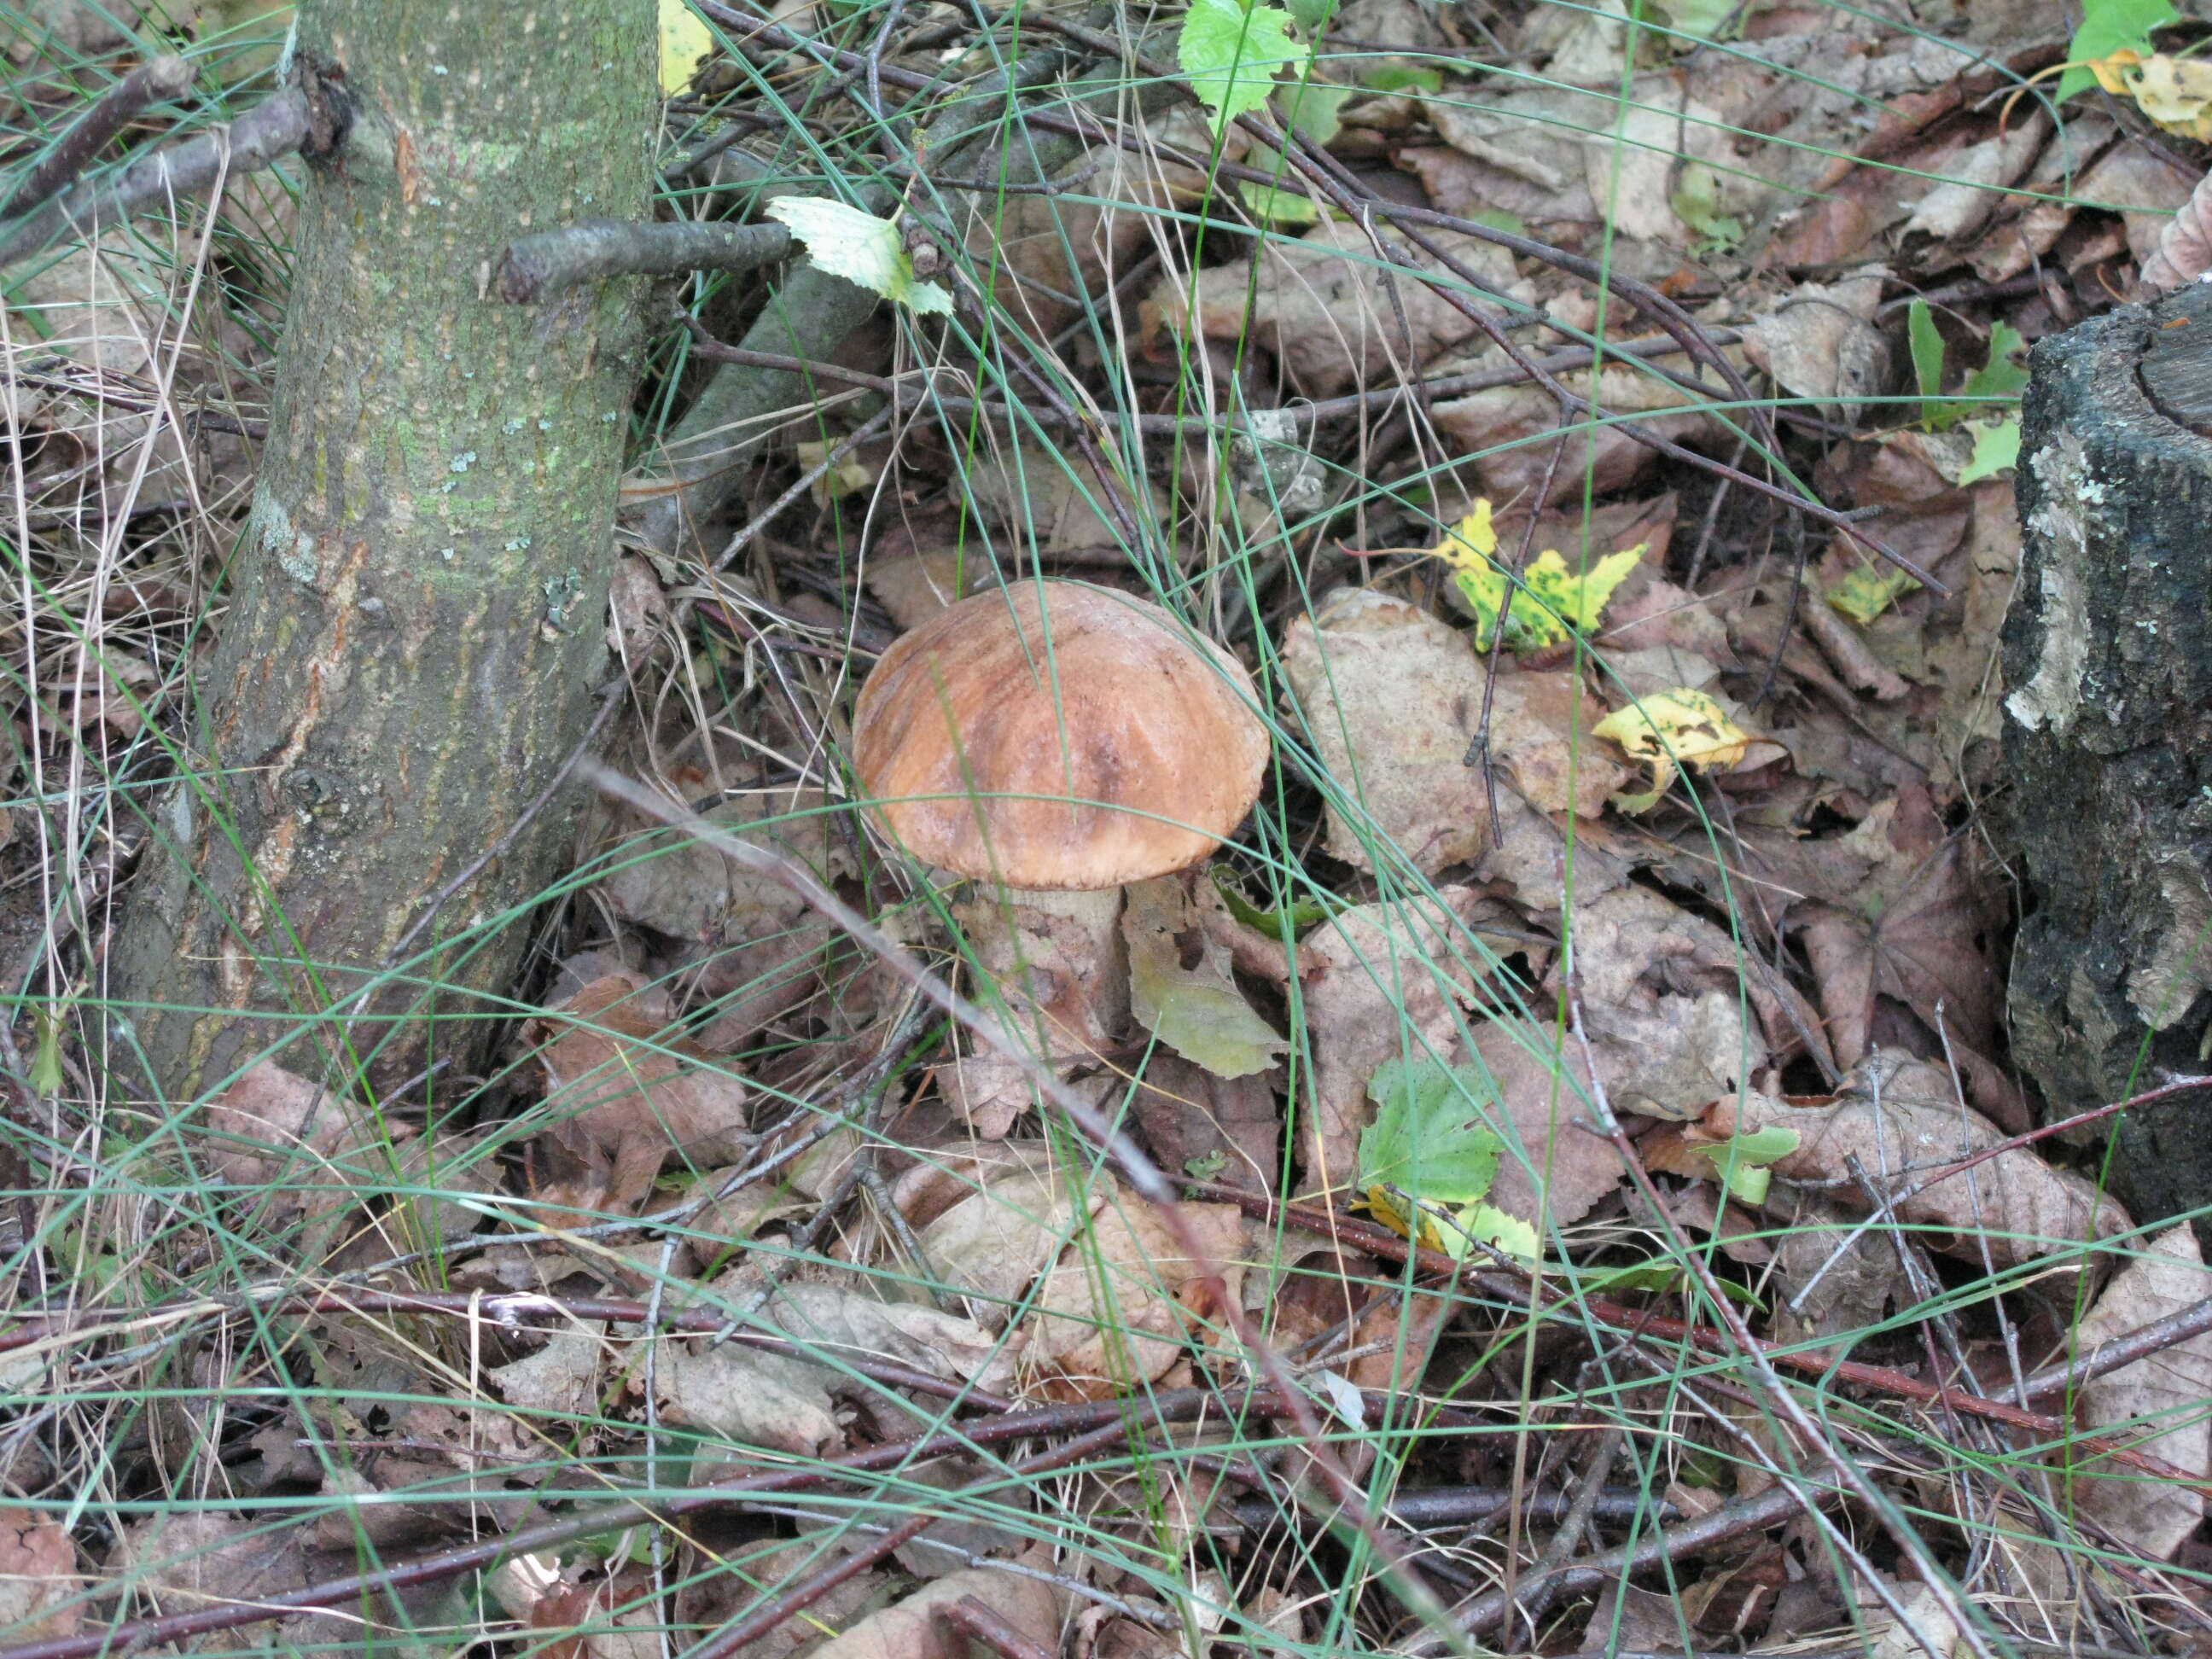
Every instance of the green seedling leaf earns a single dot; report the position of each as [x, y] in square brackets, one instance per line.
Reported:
[1428, 1138]
[859, 247]
[1231, 53]
[1207, 1165]
[45, 1077]
[1299, 914]
[1927, 354]
[1870, 591]
[1427, 1160]
[1399, 77]
[2109, 26]
[1702, 19]
[1996, 449]
[1310, 109]
[2000, 376]
[1281, 207]
[1697, 203]
[1741, 1163]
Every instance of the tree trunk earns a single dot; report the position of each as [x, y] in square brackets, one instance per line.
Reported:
[415, 626]
[2108, 732]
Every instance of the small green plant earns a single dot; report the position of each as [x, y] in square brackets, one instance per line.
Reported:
[2108, 27]
[1231, 53]
[1428, 1160]
[1996, 436]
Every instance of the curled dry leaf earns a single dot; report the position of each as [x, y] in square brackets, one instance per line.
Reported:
[1820, 342]
[625, 1094]
[1902, 1124]
[2184, 246]
[2156, 1405]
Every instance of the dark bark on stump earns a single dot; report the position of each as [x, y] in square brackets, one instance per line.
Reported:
[2108, 733]
[416, 619]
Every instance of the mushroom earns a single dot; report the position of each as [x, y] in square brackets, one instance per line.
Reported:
[1058, 740]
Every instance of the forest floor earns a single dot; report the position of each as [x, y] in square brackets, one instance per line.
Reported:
[1569, 1191]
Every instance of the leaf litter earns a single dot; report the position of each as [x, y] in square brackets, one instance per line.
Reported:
[1613, 972]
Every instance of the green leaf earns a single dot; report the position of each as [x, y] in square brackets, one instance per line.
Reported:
[1311, 110]
[683, 41]
[1868, 590]
[1197, 1011]
[45, 1077]
[1996, 449]
[1428, 1138]
[859, 247]
[2000, 376]
[1927, 354]
[1741, 1162]
[1231, 53]
[1700, 18]
[1698, 204]
[2108, 27]
[1299, 914]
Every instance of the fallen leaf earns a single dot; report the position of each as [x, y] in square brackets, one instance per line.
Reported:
[38, 1580]
[1180, 986]
[1335, 314]
[2156, 1405]
[1034, 1605]
[625, 1094]
[1901, 1123]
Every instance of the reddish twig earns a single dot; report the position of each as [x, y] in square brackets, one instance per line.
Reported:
[978, 1620]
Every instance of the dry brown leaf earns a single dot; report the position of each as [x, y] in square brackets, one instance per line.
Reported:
[558, 1380]
[1820, 342]
[1194, 1122]
[1391, 697]
[2013, 1205]
[300, 1129]
[1111, 1315]
[744, 943]
[2156, 1405]
[1493, 426]
[912, 1629]
[1555, 1168]
[197, 1559]
[626, 1094]
[39, 1579]
[748, 1398]
[1330, 308]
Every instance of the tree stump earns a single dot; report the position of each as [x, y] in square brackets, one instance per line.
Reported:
[2108, 733]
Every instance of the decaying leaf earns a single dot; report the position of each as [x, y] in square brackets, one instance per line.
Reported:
[1679, 727]
[2156, 1405]
[38, 1578]
[626, 1093]
[1900, 1123]
[1181, 988]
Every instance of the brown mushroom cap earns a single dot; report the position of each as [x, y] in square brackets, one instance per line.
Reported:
[1143, 736]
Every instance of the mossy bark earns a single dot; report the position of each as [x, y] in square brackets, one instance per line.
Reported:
[417, 614]
[2108, 734]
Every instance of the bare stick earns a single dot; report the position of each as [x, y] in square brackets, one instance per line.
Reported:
[272, 129]
[115, 109]
[532, 269]
[986, 1624]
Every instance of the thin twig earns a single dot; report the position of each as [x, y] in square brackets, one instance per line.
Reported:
[149, 84]
[533, 268]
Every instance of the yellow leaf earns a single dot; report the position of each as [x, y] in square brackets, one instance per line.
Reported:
[1868, 591]
[1674, 727]
[683, 41]
[1551, 602]
[2176, 93]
